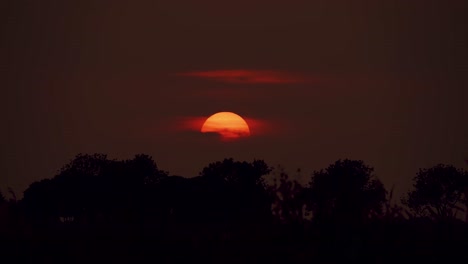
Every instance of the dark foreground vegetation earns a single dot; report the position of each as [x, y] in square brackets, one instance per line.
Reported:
[97, 210]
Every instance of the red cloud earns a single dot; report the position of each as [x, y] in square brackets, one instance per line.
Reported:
[249, 76]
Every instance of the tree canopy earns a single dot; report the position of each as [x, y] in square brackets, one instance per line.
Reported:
[438, 192]
[346, 191]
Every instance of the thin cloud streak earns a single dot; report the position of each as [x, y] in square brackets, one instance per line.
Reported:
[258, 127]
[250, 76]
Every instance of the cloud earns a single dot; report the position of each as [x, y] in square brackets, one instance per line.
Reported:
[258, 127]
[250, 76]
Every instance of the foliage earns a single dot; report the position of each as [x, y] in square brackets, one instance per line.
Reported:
[92, 182]
[393, 212]
[288, 199]
[236, 172]
[346, 191]
[438, 192]
[91, 165]
[238, 191]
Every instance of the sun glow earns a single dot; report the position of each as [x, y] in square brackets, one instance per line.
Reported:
[229, 125]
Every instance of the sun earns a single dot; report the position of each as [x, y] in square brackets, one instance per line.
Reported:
[229, 125]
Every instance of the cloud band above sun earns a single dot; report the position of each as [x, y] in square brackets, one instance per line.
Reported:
[250, 76]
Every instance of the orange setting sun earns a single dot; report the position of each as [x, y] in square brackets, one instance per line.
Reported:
[229, 125]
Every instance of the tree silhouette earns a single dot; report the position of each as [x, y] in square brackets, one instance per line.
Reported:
[346, 191]
[239, 191]
[2, 198]
[144, 170]
[392, 212]
[237, 173]
[91, 165]
[40, 200]
[288, 199]
[92, 184]
[13, 195]
[343, 198]
[438, 192]
[125, 211]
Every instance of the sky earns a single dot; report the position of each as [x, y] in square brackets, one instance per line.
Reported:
[381, 81]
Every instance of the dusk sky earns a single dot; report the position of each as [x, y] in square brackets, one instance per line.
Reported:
[381, 81]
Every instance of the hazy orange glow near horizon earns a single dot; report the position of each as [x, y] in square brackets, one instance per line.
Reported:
[229, 125]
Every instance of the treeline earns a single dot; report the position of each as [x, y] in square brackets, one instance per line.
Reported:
[99, 210]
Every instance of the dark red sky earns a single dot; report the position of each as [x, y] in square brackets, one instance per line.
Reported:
[382, 81]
